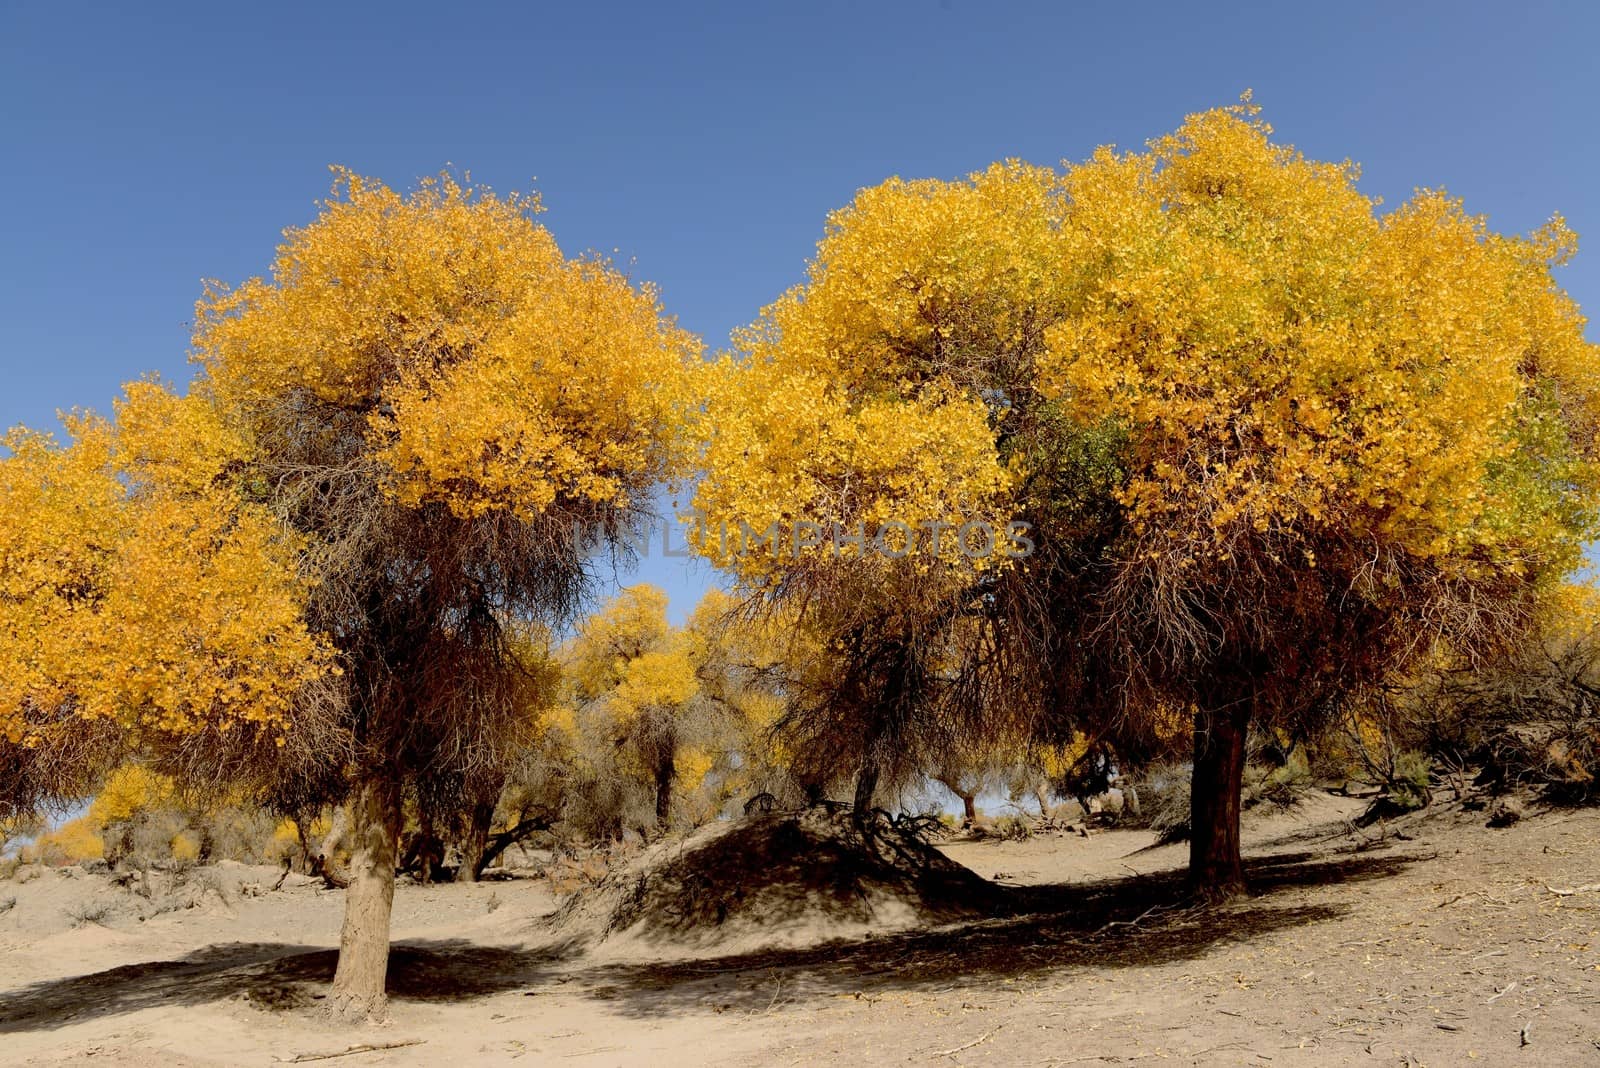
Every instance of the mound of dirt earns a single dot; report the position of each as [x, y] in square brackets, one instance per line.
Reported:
[775, 881]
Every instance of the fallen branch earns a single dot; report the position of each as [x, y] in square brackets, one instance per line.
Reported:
[1587, 888]
[366, 1047]
[981, 1038]
[499, 843]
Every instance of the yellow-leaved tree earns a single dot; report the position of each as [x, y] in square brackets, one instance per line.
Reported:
[1270, 443]
[855, 481]
[635, 684]
[1342, 435]
[140, 612]
[402, 450]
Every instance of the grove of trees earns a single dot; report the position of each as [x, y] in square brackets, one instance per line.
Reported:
[1038, 476]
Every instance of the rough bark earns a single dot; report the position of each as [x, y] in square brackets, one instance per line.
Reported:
[325, 863]
[666, 772]
[866, 790]
[359, 980]
[1216, 869]
[475, 843]
[425, 853]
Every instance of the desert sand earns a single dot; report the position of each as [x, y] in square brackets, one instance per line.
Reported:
[1431, 940]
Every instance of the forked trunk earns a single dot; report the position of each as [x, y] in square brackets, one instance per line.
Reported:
[359, 980]
[968, 798]
[1041, 794]
[474, 844]
[1216, 870]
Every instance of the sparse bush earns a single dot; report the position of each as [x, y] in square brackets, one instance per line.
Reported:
[1282, 786]
[185, 846]
[1411, 786]
[1164, 802]
[234, 832]
[88, 912]
[1528, 720]
[1009, 828]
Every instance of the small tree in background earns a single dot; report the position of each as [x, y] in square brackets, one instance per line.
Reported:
[635, 683]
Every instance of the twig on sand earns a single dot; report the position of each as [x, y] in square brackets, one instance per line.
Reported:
[986, 1036]
[365, 1047]
[1136, 921]
[286, 866]
[1587, 888]
[1509, 988]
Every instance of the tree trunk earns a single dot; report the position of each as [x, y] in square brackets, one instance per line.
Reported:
[1216, 870]
[425, 846]
[475, 843]
[1041, 794]
[326, 862]
[359, 981]
[969, 799]
[666, 772]
[302, 832]
[866, 789]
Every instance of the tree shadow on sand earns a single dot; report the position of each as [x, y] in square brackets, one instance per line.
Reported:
[1128, 922]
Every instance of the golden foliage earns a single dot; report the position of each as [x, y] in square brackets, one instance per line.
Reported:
[858, 399]
[130, 790]
[73, 841]
[494, 373]
[1288, 361]
[156, 604]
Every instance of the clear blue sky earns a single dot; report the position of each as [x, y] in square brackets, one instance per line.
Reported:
[148, 146]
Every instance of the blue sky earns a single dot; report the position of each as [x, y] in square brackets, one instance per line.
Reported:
[145, 147]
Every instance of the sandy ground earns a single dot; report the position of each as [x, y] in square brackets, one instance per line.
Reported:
[1432, 941]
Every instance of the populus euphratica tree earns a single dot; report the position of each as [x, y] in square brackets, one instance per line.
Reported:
[453, 415]
[853, 478]
[139, 612]
[1348, 435]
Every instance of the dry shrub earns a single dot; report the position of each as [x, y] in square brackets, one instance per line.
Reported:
[1164, 802]
[777, 879]
[1281, 786]
[1528, 721]
[85, 913]
[569, 874]
[1007, 828]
